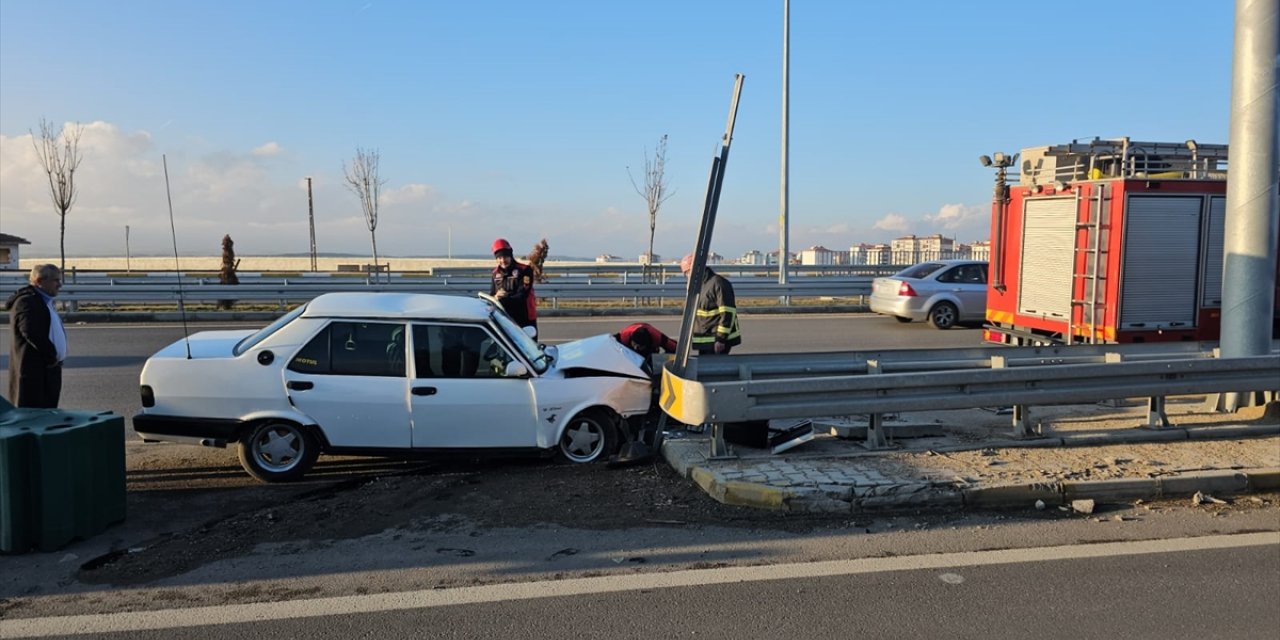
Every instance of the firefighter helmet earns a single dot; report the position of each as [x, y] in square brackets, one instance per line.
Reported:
[500, 245]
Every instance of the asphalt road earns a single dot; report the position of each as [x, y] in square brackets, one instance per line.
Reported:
[106, 360]
[1208, 587]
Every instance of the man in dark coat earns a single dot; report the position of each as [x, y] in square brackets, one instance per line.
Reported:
[39, 341]
[715, 319]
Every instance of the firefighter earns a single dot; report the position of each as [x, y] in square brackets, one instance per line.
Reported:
[715, 321]
[513, 286]
[645, 339]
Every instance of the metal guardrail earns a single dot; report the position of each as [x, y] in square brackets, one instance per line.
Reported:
[720, 389]
[292, 291]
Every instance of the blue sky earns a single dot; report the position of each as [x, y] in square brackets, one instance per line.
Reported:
[521, 119]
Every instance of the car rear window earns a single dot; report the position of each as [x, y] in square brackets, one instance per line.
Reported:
[922, 270]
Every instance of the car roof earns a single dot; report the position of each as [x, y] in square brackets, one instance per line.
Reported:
[349, 304]
[952, 261]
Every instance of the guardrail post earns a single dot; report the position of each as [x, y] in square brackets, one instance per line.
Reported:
[719, 448]
[1156, 417]
[1021, 412]
[875, 423]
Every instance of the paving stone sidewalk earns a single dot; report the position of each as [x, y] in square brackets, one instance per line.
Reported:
[969, 458]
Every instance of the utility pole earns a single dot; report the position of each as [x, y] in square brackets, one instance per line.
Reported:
[128, 267]
[783, 250]
[311, 218]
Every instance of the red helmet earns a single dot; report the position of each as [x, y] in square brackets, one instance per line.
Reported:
[500, 245]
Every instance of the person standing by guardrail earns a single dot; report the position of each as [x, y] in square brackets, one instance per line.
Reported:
[39, 341]
[513, 286]
[715, 321]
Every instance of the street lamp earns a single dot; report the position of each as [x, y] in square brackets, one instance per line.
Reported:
[999, 198]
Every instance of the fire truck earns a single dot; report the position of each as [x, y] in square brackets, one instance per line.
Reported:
[1108, 241]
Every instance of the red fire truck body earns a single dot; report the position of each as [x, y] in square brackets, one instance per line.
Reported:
[1109, 241]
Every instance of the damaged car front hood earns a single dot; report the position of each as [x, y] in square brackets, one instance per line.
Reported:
[599, 354]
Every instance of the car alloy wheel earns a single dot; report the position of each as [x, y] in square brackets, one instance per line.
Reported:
[943, 315]
[588, 437]
[277, 451]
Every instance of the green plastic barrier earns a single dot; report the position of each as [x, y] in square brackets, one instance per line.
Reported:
[61, 476]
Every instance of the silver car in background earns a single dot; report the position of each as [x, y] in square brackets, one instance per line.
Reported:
[944, 292]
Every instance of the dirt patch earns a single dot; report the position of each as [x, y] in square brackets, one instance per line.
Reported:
[415, 495]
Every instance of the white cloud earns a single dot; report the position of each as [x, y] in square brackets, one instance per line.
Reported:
[267, 150]
[408, 194]
[959, 216]
[893, 222]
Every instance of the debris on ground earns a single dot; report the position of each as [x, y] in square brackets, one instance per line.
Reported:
[1082, 506]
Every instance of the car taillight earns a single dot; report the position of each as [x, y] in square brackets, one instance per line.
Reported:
[905, 289]
[148, 396]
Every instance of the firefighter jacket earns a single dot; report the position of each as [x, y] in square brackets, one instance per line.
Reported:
[519, 300]
[715, 317]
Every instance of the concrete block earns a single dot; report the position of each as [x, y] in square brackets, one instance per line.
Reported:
[1125, 436]
[1018, 495]
[1233, 431]
[934, 497]
[747, 494]
[1114, 489]
[1264, 479]
[1214, 482]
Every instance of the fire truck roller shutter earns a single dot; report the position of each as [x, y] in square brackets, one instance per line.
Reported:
[1048, 245]
[1161, 262]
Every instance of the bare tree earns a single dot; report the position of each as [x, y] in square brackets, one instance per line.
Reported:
[654, 191]
[59, 154]
[362, 179]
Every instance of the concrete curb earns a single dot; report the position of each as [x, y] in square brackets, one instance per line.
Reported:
[686, 457]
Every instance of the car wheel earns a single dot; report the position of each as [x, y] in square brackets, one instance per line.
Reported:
[278, 451]
[943, 315]
[591, 435]
[902, 319]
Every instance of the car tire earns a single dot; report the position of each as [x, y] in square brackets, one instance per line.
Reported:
[902, 319]
[943, 315]
[590, 436]
[278, 451]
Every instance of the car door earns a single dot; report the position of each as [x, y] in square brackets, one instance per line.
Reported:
[968, 283]
[351, 379]
[460, 396]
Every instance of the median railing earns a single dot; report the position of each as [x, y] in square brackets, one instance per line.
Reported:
[286, 291]
[738, 388]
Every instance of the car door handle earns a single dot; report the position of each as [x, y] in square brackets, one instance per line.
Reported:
[299, 385]
[424, 391]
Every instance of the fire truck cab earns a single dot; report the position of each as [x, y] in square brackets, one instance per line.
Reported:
[1109, 241]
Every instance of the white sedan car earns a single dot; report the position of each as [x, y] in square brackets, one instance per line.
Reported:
[390, 374]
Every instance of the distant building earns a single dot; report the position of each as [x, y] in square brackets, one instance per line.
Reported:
[980, 250]
[715, 258]
[752, 257]
[606, 257]
[772, 258]
[912, 249]
[817, 255]
[9, 250]
[647, 259]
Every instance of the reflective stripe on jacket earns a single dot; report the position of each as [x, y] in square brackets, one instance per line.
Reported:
[716, 317]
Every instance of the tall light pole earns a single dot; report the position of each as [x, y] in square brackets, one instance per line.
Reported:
[783, 251]
[311, 218]
[128, 267]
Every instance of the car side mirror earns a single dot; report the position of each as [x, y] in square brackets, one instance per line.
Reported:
[532, 332]
[515, 370]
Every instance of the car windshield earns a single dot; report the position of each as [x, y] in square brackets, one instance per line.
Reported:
[258, 336]
[922, 270]
[523, 342]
